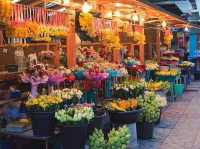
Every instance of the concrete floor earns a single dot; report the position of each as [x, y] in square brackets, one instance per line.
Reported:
[180, 123]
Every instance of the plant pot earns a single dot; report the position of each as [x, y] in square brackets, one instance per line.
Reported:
[145, 130]
[124, 117]
[98, 122]
[158, 121]
[74, 137]
[43, 123]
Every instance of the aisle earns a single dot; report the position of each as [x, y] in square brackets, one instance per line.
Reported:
[180, 125]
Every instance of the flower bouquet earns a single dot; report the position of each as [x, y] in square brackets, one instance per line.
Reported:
[79, 73]
[150, 114]
[69, 96]
[56, 77]
[157, 86]
[186, 64]
[41, 111]
[73, 122]
[35, 75]
[130, 62]
[117, 139]
[123, 111]
[151, 65]
[128, 89]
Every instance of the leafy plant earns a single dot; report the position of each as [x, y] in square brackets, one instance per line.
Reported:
[96, 140]
[150, 106]
[117, 139]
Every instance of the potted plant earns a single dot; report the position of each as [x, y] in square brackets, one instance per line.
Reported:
[162, 101]
[73, 123]
[149, 116]
[41, 111]
[123, 111]
[117, 139]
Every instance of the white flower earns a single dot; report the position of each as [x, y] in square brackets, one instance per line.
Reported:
[162, 100]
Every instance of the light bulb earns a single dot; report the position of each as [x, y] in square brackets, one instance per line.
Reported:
[117, 14]
[164, 24]
[86, 7]
[135, 17]
[66, 1]
[186, 29]
[109, 14]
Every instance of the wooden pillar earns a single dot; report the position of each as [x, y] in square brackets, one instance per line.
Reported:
[141, 48]
[158, 45]
[71, 48]
[56, 50]
[116, 56]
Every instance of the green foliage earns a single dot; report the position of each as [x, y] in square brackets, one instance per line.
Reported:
[150, 106]
[96, 140]
[118, 139]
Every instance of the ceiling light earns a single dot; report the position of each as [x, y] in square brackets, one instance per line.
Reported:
[117, 14]
[86, 7]
[109, 14]
[186, 29]
[135, 17]
[164, 24]
[15, 1]
[66, 2]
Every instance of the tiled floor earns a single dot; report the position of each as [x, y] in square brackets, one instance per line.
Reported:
[180, 124]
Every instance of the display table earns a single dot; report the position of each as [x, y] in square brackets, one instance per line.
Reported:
[28, 134]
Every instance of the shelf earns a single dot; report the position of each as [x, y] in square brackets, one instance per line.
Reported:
[29, 45]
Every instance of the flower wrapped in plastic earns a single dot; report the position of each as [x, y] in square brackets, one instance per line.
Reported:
[35, 75]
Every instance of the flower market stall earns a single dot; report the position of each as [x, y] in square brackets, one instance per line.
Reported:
[83, 65]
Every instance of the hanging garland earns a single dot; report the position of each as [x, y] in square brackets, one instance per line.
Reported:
[111, 40]
[85, 20]
[168, 37]
[5, 10]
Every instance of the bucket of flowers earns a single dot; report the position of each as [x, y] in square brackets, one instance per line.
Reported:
[128, 89]
[149, 115]
[123, 111]
[41, 111]
[70, 96]
[73, 123]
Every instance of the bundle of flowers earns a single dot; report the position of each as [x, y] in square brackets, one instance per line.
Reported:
[162, 100]
[46, 54]
[96, 74]
[186, 64]
[122, 105]
[168, 73]
[55, 76]
[137, 69]
[85, 20]
[128, 89]
[131, 61]
[44, 104]
[157, 85]
[36, 74]
[69, 94]
[111, 40]
[151, 65]
[5, 10]
[150, 106]
[79, 73]
[75, 115]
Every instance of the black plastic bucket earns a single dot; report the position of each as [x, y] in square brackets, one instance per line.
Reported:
[74, 137]
[145, 130]
[43, 123]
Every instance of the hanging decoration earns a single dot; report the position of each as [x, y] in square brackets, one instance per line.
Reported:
[111, 40]
[168, 36]
[36, 23]
[5, 10]
[85, 20]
